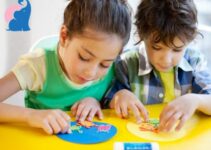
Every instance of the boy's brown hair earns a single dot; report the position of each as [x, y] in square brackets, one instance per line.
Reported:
[109, 16]
[167, 19]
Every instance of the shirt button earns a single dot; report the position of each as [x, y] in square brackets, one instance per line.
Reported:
[160, 95]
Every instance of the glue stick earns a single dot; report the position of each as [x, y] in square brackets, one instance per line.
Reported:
[135, 146]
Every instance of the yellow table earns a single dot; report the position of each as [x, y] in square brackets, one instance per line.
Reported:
[21, 137]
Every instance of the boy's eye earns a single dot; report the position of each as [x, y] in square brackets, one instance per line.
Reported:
[156, 48]
[82, 58]
[177, 50]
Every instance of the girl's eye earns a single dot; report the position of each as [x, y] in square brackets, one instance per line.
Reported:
[104, 66]
[82, 58]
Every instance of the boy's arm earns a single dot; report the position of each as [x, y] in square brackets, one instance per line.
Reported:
[120, 82]
[201, 84]
[204, 104]
[198, 99]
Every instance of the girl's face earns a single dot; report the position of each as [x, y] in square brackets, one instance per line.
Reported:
[87, 57]
[162, 57]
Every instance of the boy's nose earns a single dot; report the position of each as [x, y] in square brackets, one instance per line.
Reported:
[167, 58]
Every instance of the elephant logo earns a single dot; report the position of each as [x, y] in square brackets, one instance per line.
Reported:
[17, 16]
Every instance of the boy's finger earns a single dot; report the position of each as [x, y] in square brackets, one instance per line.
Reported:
[165, 116]
[124, 111]
[118, 110]
[172, 121]
[143, 111]
[182, 122]
[136, 113]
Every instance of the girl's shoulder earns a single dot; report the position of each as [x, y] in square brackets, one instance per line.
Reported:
[47, 42]
[35, 56]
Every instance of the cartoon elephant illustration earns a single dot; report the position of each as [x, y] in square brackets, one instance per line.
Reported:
[20, 21]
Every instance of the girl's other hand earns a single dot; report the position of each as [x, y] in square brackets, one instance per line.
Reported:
[86, 109]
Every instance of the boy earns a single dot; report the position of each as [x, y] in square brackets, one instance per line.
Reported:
[163, 69]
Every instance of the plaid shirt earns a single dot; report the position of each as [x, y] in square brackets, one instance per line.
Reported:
[135, 73]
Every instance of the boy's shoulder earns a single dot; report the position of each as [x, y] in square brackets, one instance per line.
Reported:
[191, 53]
[130, 53]
[194, 58]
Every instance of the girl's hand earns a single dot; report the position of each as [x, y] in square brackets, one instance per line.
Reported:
[125, 100]
[52, 121]
[177, 112]
[86, 109]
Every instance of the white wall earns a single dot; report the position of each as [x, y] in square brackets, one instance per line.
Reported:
[46, 18]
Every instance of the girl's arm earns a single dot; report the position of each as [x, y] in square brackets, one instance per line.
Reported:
[52, 121]
[9, 85]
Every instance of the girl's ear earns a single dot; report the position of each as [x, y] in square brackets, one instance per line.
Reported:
[63, 35]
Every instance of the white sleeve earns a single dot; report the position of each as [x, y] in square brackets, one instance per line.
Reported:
[30, 70]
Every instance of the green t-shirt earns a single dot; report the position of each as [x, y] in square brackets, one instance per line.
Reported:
[58, 93]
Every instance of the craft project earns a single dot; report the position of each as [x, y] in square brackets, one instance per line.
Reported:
[149, 130]
[89, 132]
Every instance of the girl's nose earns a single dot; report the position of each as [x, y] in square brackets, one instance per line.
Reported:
[91, 72]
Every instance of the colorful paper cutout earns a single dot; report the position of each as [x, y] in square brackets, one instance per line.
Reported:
[86, 124]
[75, 128]
[149, 130]
[103, 128]
[150, 126]
[89, 132]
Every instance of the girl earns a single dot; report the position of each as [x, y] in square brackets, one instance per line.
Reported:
[75, 73]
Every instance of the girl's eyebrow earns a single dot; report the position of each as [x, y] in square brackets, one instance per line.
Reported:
[89, 52]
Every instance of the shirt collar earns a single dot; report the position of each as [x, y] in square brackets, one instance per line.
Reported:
[145, 67]
[185, 65]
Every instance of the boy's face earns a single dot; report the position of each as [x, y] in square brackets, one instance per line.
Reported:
[162, 57]
[88, 57]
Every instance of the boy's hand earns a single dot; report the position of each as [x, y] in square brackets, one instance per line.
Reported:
[87, 109]
[125, 100]
[177, 112]
[52, 121]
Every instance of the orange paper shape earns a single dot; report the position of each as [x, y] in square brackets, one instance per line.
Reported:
[86, 124]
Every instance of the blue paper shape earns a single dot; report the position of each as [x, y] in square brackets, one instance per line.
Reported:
[88, 135]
